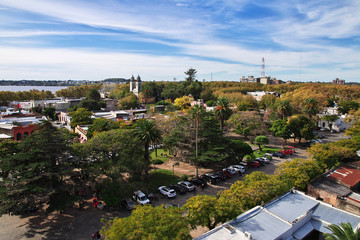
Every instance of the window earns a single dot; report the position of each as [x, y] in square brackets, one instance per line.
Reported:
[18, 136]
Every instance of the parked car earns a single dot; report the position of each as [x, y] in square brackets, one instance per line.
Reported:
[279, 154]
[324, 129]
[198, 182]
[211, 177]
[189, 186]
[221, 175]
[140, 197]
[254, 163]
[231, 170]
[306, 144]
[128, 204]
[238, 168]
[227, 173]
[167, 191]
[268, 156]
[263, 160]
[244, 164]
[179, 188]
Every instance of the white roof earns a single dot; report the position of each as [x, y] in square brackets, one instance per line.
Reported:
[291, 216]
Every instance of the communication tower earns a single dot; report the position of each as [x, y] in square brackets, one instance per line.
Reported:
[263, 68]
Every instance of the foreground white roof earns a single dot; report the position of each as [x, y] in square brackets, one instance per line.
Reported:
[291, 216]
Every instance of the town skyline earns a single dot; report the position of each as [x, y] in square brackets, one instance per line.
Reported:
[223, 40]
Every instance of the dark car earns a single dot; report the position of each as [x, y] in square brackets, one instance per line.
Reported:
[221, 175]
[197, 182]
[179, 188]
[278, 154]
[128, 204]
[211, 177]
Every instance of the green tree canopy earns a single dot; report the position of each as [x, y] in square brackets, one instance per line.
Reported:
[32, 170]
[261, 140]
[147, 222]
[81, 116]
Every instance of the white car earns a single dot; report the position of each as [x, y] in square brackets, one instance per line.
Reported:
[140, 197]
[166, 191]
[187, 185]
[238, 168]
[263, 159]
[231, 170]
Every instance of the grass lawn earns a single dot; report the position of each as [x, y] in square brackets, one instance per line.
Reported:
[159, 159]
[162, 177]
[264, 150]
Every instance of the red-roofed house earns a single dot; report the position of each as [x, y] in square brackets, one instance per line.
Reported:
[339, 187]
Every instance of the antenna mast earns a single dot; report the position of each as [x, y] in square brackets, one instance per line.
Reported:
[263, 68]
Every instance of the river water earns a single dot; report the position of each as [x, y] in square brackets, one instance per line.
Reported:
[53, 89]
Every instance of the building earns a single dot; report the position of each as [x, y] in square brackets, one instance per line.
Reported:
[339, 81]
[81, 130]
[135, 85]
[259, 94]
[291, 216]
[249, 79]
[18, 126]
[339, 187]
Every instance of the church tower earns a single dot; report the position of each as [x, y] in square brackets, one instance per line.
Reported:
[135, 85]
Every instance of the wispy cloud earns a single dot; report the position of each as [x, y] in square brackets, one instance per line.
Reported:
[226, 37]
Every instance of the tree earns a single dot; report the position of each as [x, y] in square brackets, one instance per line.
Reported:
[147, 132]
[112, 153]
[247, 123]
[222, 112]
[183, 102]
[147, 222]
[328, 155]
[93, 94]
[261, 140]
[311, 107]
[201, 210]
[128, 102]
[301, 127]
[81, 116]
[246, 103]
[101, 125]
[197, 112]
[280, 128]
[298, 172]
[344, 231]
[284, 108]
[191, 75]
[49, 112]
[346, 106]
[34, 170]
[195, 89]
[267, 101]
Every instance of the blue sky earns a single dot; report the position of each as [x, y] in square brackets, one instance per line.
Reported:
[301, 40]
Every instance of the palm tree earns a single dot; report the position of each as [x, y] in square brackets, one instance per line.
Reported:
[222, 112]
[311, 107]
[147, 132]
[197, 113]
[284, 108]
[342, 232]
